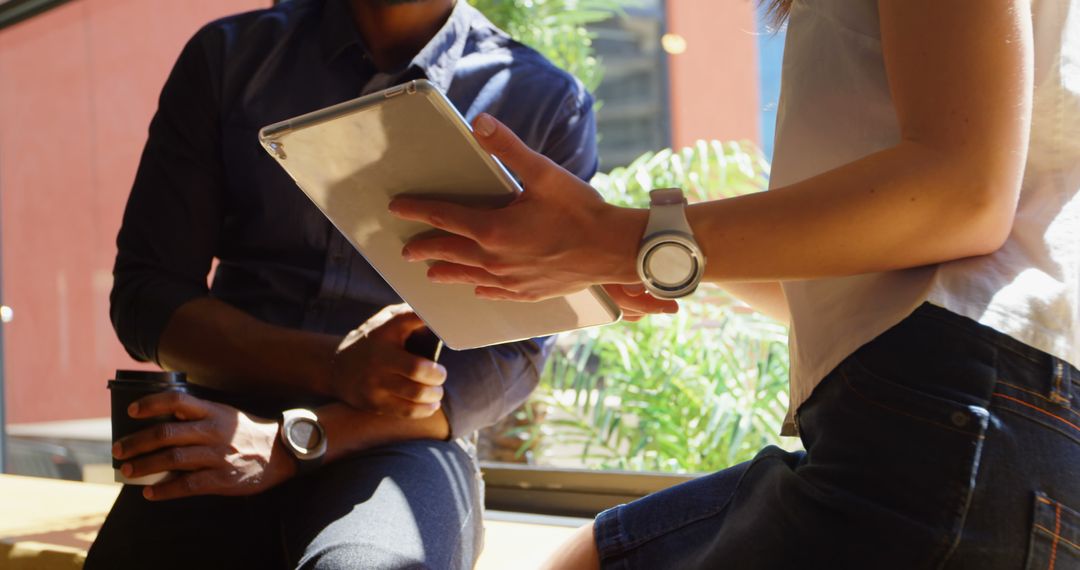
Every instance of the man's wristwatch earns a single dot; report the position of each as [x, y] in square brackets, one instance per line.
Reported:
[304, 437]
[669, 262]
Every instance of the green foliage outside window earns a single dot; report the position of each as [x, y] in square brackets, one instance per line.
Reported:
[692, 392]
[555, 28]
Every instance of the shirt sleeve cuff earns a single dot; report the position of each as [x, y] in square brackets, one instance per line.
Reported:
[142, 319]
[484, 385]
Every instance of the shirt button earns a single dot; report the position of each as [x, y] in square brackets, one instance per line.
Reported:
[960, 419]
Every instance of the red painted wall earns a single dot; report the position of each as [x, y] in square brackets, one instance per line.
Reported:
[714, 83]
[78, 86]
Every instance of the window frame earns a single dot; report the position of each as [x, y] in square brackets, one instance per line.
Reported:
[509, 487]
[570, 492]
[14, 11]
[3, 415]
[560, 491]
[632, 18]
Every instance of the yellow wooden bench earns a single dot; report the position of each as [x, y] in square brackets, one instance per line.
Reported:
[47, 524]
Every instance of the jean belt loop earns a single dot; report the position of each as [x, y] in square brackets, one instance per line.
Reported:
[1061, 385]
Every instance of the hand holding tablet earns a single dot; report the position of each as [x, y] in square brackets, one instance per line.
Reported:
[351, 159]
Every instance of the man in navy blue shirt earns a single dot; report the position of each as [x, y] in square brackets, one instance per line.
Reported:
[398, 485]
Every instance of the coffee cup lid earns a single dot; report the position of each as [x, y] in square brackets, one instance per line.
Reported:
[154, 376]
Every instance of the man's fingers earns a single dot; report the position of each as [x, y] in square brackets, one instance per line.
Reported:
[186, 484]
[169, 434]
[181, 458]
[369, 326]
[415, 368]
[398, 329]
[411, 391]
[179, 404]
[454, 218]
[394, 406]
[501, 142]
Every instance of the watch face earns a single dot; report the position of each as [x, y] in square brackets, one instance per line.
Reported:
[671, 264]
[304, 434]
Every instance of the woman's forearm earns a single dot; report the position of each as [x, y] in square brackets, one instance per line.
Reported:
[902, 207]
[764, 297]
[961, 83]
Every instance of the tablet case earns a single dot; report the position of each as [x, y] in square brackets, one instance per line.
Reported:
[352, 158]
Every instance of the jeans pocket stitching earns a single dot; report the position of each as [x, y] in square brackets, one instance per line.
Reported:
[976, 431]
[956, 512]
[1043, 424]
[1076, 429]
[1056, 537]
[1040, 397]
[1050, 512]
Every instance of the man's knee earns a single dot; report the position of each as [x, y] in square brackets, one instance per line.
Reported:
[348, 556]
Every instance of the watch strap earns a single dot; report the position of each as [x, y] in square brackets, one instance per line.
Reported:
[312, 459]
[666, 197]
[305, 466]
[668, 225]
[667, 213]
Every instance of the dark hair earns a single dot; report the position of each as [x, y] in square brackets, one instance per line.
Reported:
[777, 10]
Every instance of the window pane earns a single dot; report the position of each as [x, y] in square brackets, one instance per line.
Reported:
[80, 83]
[686, 393]
[707, 388]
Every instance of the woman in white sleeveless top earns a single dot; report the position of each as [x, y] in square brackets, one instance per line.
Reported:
[922, 235]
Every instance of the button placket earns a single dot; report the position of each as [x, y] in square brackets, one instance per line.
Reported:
[335, 269]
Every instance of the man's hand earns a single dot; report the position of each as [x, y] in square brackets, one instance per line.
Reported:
[213, 449]
[372, 370]
[558, 237]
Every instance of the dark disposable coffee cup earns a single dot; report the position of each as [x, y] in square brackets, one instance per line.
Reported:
[131, 385]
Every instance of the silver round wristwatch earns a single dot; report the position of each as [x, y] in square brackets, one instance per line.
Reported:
[669, 262]
[304, 437]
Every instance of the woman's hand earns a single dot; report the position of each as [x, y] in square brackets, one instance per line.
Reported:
[558, 237]
[212, 449]
[637, 303]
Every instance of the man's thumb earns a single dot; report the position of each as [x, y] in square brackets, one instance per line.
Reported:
[400, 327]
[501, 142]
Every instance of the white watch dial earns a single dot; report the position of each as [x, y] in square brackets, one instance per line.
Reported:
[671, 264]
[305, 435]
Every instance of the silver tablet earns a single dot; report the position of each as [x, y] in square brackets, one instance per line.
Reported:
[352, 158]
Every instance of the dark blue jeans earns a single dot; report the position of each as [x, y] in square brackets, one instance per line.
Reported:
[413, 505]
[940, 444]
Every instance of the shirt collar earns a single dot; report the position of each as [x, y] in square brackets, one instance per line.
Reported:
[436, 60]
